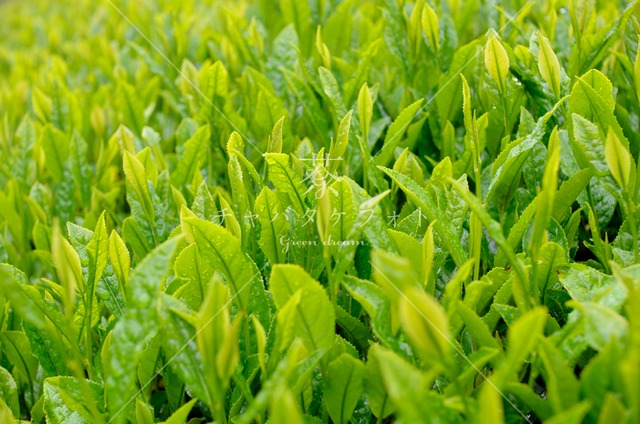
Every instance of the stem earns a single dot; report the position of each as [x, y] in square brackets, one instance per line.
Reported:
[333, 290]
[87, 336]
[504, 114]
[365, 176]
[247, 337]
[631, 217]
[221, 416]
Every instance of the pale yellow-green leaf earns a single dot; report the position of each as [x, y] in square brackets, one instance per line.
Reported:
[425, 322]
[618, 159]
[427, 255]
[365, 111]
[283, 406]
[337, 150]
[323, 50]
[497, 61]
[216, 337]
[68, 267]
[548, 65]
[323, 218]
[430, 26]
[119, 256]
[636, 72]
[275, 142]
[261, 339]
[491, 409]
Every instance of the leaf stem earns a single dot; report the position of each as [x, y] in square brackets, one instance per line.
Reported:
[631, 217]
[87, 336]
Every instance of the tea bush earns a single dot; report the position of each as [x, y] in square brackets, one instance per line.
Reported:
[417, 211]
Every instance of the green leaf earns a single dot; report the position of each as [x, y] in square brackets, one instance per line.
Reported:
[181, 415]
[373, 300]
[365, 112]
[619, 160]
[286, 180]
[379, 402]
[508, 165]
[574, 415]
[430, 26]
[135, 329]
[119, 258]
[48, 346]
[139, 199]
[476, 327]
[496, 61]
[569, 192]
[546, 198]
[217, 340]
[9, 391]
[304, 308]
[273, 225]
[55, 145]
[428, 205]
[223, 252]
[276, 140]
[425, 322]
[98, 251]
[31, 305]
[602, 324]
[592, 98]
[336, 153]
[562, 385]
[66, 400]
[130, 107]
[343, 387]
[195, 150]
[396, 131]
[342, 215]
[179, 343]
[68, 267]
[523, 339]
[548, 65]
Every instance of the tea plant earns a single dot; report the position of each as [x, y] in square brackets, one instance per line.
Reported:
[319, 211]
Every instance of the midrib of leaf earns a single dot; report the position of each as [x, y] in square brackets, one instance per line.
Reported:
[342, 232]
[146, 206]
[548, 273]
[248, 166]
[442, 226]
[93, 264]
[593, 55]
[132, 113]
[384, 403]
[502, 77]
[593, 105]
[190, 167]
[120, 266]
[26, 368]
[227, 271]
[196, 264]
[56, 153]
[194, 366]
[550, 71]
[344, 395]
[49, 355]
[113, 296]
[141, 240]
[302, 316]
[295, 190]
[273, 228]
[63, 333]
